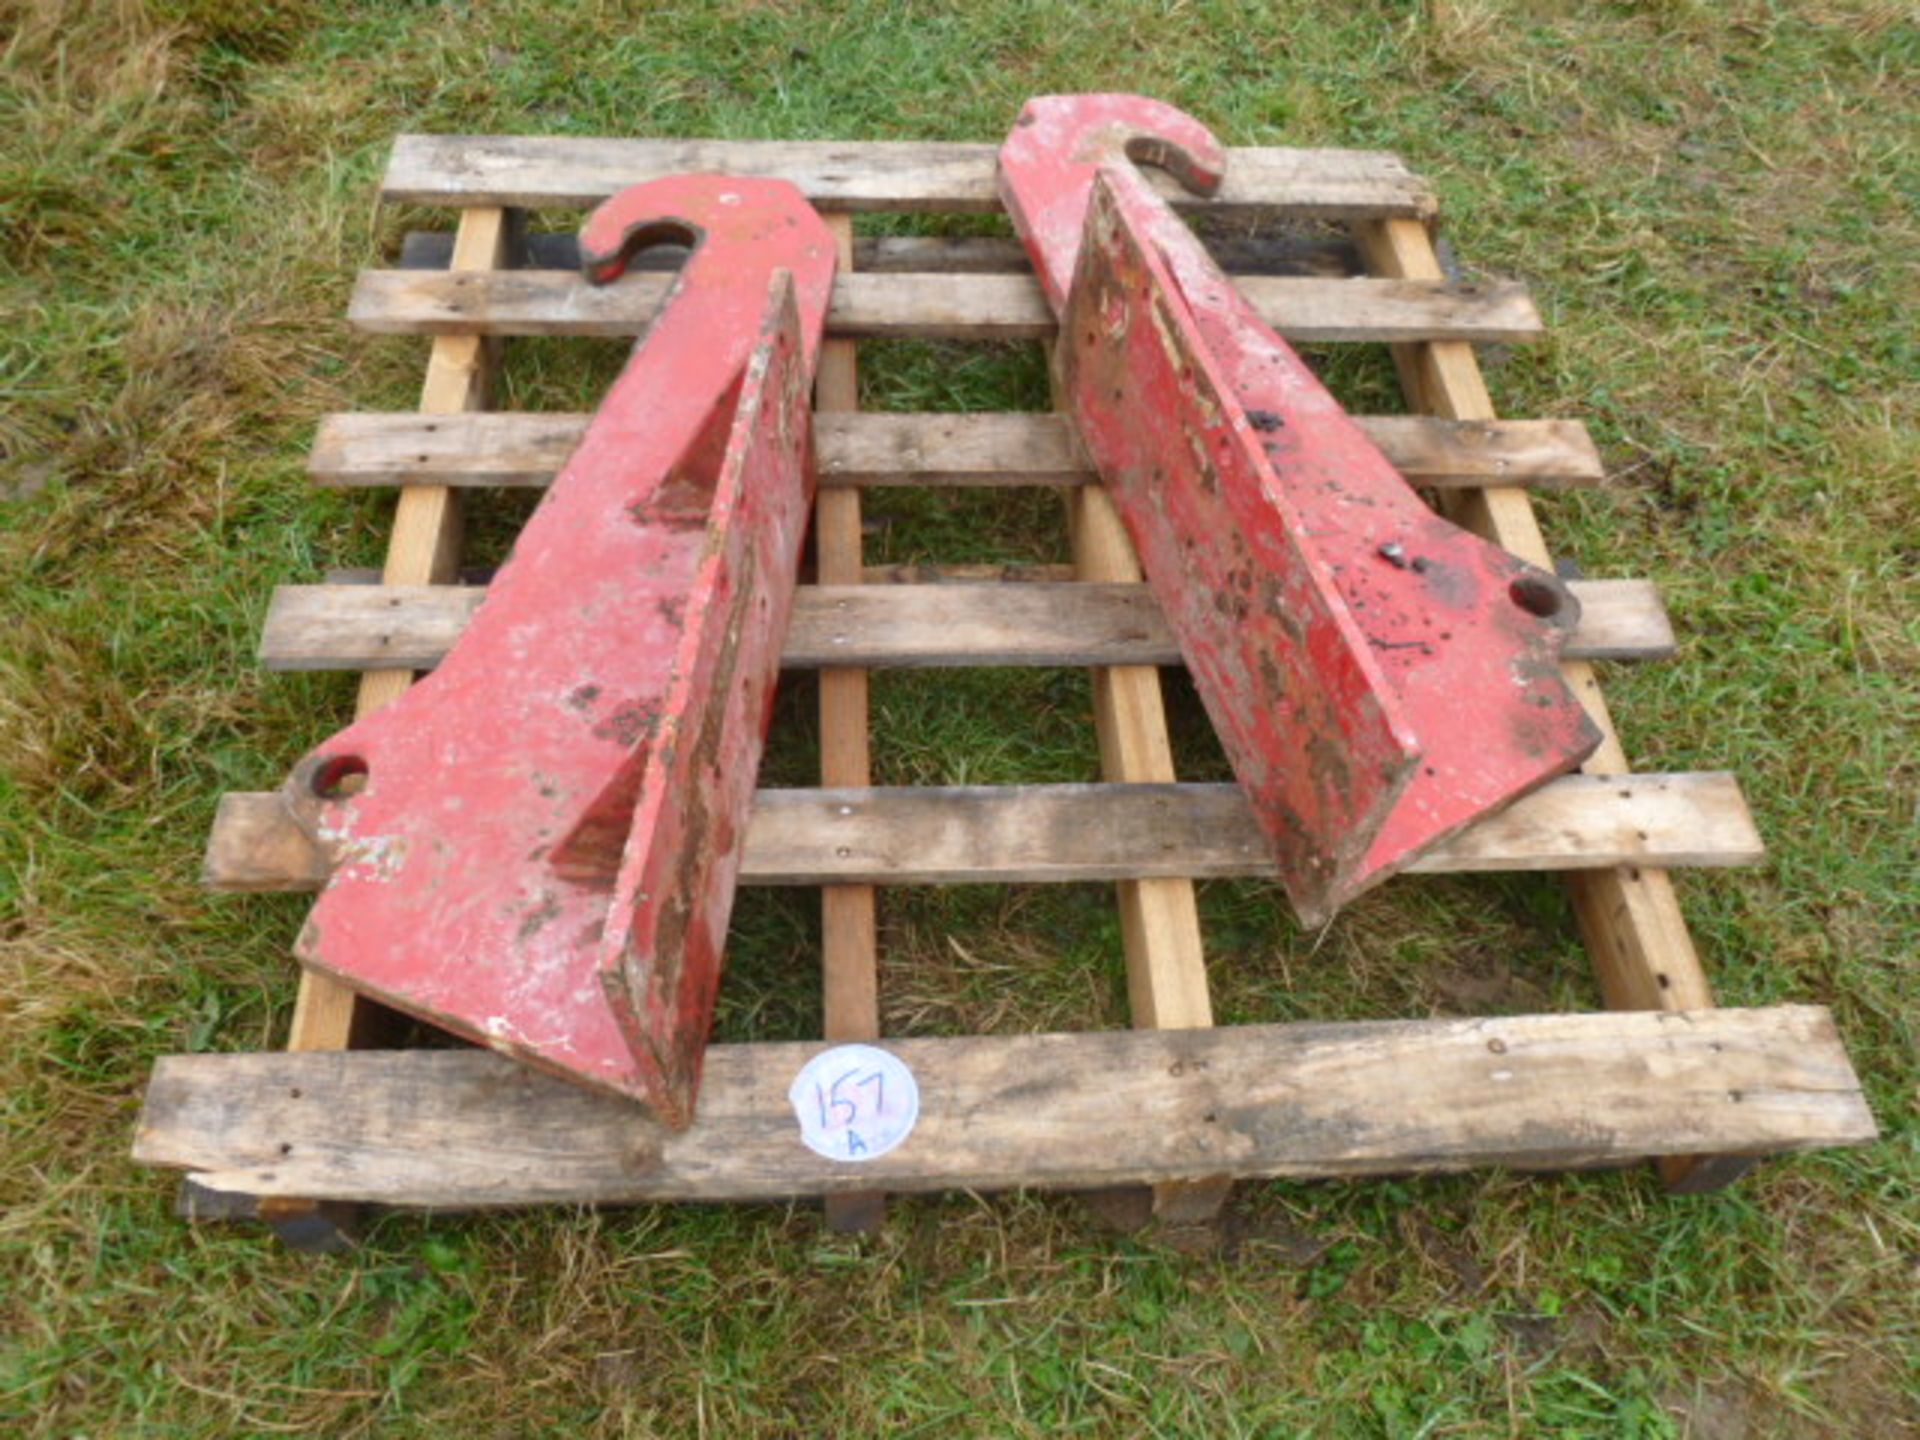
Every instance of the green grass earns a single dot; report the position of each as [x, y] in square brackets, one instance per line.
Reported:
[1716, 206]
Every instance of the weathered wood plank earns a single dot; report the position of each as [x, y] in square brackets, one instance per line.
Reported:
[1063, 833]
[466, 1129]
[1281, 253]
[988, 448]
[925, 306]
[1059, 833]
[350, 627]
[573, 172]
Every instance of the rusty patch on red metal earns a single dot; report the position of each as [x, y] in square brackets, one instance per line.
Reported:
[1379, 677]
[534, 818]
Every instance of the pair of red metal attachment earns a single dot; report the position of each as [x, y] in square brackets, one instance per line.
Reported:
[536, 847]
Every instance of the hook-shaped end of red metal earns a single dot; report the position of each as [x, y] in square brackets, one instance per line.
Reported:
[1058, 145]
[615, 233]
[1094, 130]
[740, 231]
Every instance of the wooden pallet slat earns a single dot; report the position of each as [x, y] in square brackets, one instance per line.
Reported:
[1038, 834]
[985, 449]
[1123, 830]
[466, 1129]
[925, 307]
[573, 172]
[351, 627]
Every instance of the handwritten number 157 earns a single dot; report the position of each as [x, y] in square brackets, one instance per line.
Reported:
[831, 1101]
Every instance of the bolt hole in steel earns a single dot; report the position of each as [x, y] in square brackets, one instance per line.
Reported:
[1537, 596]
[338, 777]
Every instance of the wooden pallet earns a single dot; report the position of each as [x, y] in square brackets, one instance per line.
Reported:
[1176, 1104]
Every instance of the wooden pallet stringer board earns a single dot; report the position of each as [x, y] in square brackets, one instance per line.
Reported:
[1159, 915]
[849, 923]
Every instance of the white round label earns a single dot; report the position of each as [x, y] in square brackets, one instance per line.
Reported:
[854, 1102]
